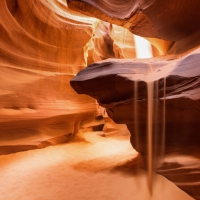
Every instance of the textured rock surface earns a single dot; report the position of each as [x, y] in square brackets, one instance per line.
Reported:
[173, 28]
[168, 20]
[37, 105]
[146, 18]
[111, 82]
[43, 45]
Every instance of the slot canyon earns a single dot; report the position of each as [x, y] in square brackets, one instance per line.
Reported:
[100, 100]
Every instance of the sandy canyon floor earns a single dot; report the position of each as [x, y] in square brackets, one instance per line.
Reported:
[91, 167]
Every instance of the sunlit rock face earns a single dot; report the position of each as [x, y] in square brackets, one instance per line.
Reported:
[37, 105]
[44, 45]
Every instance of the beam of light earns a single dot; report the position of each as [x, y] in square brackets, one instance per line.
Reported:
[143, 47]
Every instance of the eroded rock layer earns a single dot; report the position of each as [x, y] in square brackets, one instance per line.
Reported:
[146, 18]
[168, 20]
[37, 105]
[38, 57]
[176, 98]
[43, 45]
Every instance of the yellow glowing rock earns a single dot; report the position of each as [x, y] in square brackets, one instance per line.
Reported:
[42, 48]
[124, 46]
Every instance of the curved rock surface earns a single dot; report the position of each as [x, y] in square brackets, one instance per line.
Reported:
[122, 87]
[37, 105]
[112, 81]
[168, 20]
[43, 45]
[146, 18]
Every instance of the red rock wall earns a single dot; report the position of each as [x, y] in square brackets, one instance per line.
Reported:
[43, 45]
[41, 49]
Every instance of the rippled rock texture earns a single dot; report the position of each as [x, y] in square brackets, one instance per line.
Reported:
[37, 104]
[43, 45]
[147, 18]
[166, 20]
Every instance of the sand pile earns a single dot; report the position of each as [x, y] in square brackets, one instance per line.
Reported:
[90, 168]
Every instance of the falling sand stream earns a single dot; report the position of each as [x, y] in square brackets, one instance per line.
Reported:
[155, 112]
[153, 130]
[150, 97]
[155, 135]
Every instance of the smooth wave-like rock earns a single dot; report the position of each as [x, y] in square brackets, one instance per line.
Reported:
[37, 60]
[146, 18]
[171, 22]
[43, 45]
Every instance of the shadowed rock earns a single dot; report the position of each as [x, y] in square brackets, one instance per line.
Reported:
[111, 82]
[175, 23]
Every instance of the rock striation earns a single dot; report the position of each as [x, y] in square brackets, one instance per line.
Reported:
[43, 45]
[168, 21]
[37, 105]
